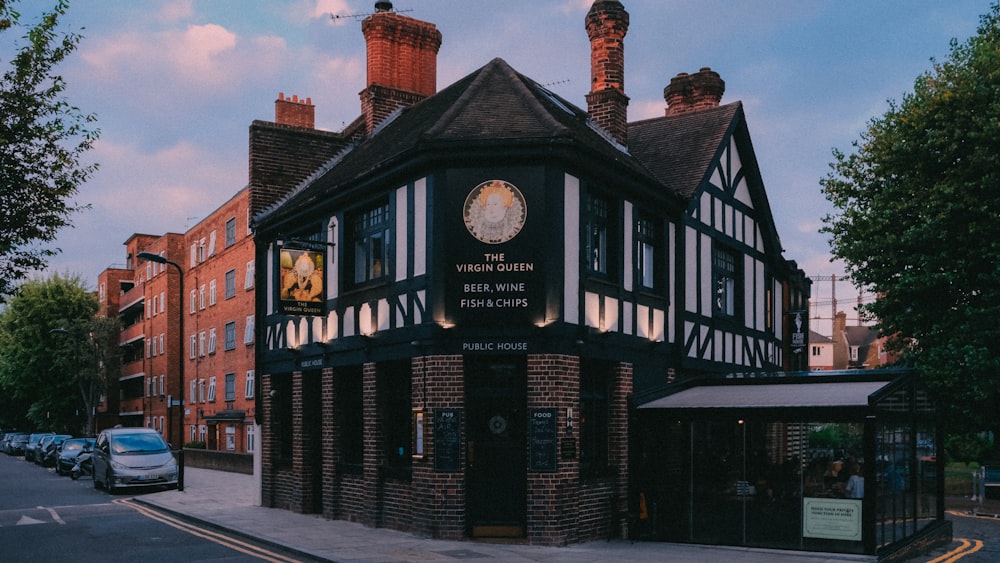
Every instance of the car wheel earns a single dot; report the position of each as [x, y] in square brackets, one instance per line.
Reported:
[109, 483]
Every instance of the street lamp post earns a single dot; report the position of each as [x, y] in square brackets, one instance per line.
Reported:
[180, 356]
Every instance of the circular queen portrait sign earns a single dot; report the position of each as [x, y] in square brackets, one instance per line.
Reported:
[495, 211]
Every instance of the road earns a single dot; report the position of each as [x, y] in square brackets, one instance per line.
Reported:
[45, 517]
[976, 540]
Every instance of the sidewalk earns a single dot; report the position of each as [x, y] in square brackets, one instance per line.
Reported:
[226, 500]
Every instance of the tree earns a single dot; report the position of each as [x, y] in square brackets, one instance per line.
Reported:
[916, 222]
[42, 141]
[55, 355]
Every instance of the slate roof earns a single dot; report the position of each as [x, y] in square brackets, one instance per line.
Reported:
[495, 107]
[678, 150]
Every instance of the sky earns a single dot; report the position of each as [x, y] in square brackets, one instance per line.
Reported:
[175, 85]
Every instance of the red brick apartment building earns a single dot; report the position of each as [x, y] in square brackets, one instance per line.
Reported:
[216, 258]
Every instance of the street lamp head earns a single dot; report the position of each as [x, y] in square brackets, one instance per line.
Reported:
[152, 257]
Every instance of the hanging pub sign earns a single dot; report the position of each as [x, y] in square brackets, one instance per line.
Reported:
[495, 268]
[301, 281]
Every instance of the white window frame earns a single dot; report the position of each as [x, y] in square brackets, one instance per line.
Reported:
[211, 389]
[248, 279]
[212, 292]
[211, 340]
[248, 331]
[248, 391]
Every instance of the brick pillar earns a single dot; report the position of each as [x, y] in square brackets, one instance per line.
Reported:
[294, 112]
[693, 92]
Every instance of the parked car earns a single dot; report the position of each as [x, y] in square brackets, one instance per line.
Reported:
[16, 443]
[32, 445]
[72, 447]
[133, 457]
[49, 448]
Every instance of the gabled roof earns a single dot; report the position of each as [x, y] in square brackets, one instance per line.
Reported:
[494, 106]
[679, 150]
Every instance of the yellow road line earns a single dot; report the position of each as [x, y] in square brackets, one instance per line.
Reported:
[967, 547]
[215, 537]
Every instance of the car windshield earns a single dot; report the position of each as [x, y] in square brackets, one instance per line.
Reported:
[137, 443]
[71, 445]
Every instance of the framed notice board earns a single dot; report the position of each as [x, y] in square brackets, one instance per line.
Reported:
[447, 439]
[542, 440]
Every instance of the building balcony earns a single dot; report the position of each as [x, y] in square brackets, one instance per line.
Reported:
[131, 334]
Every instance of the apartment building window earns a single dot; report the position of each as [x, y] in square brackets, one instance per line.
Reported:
[230, 387]
[725, 274]
[192, 433]
[201, 297]
[193, 345]
[154, 308]
[211, 389]
[370, 237]
[162, 381]
[248, 279]
[162, 425]
[248, 389]
[149, 386]
[211, 340]
[251, 438]
[163, 301]
[148, 351]
[163, 343]
[211, 243]
[230, 284]
[648, 243]
[201, 250]
[231, 335]
[192, 391]
[248, 333]
[201, 390]
[149, 270]
[202, 341]
[231, 232]
[599, 236]
[194, 300]
[154, 345]
[194, 255]
[211, 292]
[816, 351]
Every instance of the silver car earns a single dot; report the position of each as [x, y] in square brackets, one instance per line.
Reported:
[133, 457]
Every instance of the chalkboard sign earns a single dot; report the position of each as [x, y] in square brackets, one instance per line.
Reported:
[542, 443]
[447, 440]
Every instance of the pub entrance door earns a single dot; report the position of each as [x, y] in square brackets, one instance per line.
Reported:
[496, 402]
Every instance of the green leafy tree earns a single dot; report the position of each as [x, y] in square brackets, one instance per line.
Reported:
[55, 355]
[42, 141]
[917, 222]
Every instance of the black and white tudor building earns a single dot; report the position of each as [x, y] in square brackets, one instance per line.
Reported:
[462, 296]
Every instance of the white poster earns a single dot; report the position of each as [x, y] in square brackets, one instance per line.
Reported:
[831, 518]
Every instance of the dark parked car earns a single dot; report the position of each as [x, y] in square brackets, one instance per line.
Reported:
[10, 437]
[32, 446]
[133, 457]
[48, 448]
[68, 451]
[17, 443]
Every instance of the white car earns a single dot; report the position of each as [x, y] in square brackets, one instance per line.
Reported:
[133, 457]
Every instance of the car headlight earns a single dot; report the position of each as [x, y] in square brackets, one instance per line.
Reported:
[117, 466]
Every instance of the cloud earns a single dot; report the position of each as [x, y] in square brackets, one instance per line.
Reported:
[176, 10]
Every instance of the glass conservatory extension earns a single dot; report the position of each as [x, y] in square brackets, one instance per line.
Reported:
[847, 462]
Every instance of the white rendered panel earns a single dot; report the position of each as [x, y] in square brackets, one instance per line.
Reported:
[592, 314]
[706, 275]
[719, 344]
[269, 268]
[691, 271]
[402, 233]
[611, 314]
[627, 321]
[383, 314]
[571, 256]
[332, 330]
[349, 322]
[657, 330]
[420, 227]
[750, 292]
[418, 318]
[743, 192]
[627, 244]
[705, 213]
[761, 295]
[735, 164]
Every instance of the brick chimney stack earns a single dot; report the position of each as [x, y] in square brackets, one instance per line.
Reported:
[607, 24]
[694, 92]
[294, 112]
[401, 61]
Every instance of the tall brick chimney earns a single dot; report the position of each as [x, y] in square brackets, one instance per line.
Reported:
[402, 62]
[294, 112]
[607, 24]
[693, 92]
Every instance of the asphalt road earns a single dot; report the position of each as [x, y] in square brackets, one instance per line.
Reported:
[45, 517]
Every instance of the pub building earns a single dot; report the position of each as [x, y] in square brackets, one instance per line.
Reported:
[462, 295]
